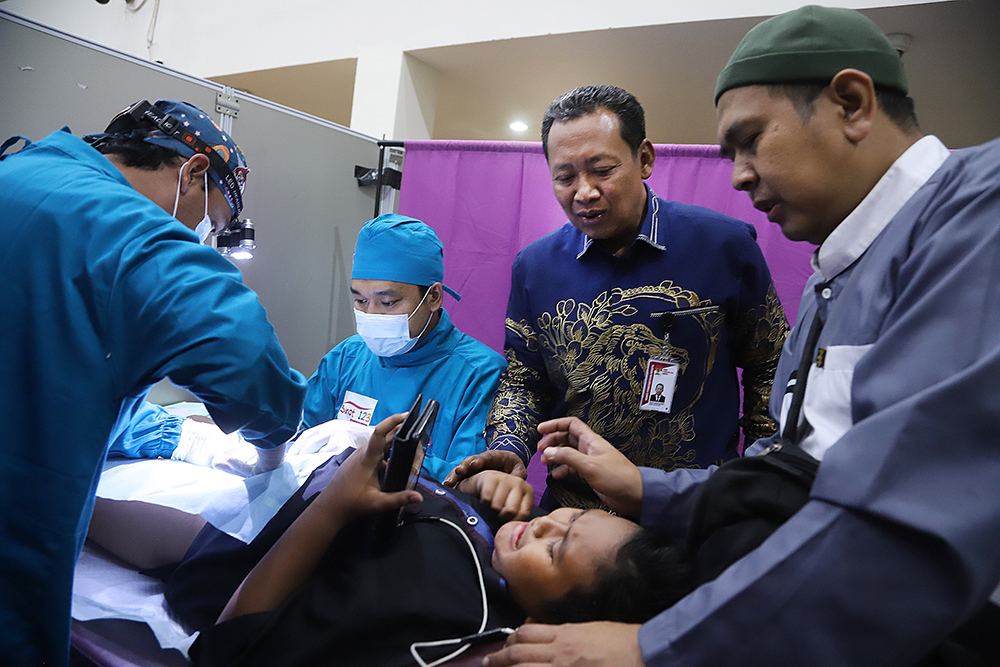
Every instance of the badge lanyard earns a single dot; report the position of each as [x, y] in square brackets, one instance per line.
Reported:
[661, 374]
[663, 369]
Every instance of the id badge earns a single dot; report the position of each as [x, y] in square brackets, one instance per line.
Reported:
[658, 389]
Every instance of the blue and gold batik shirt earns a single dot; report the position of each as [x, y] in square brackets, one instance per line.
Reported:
[581, 329]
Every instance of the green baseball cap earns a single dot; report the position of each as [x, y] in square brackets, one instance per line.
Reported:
[812, 44]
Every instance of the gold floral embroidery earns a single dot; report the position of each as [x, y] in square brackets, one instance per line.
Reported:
[602, 366]
[760, 336]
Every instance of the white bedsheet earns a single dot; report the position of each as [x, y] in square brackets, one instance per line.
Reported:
[104, 589]
[238, 506]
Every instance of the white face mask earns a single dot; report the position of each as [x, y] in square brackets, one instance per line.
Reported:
[204, 228]
[388, 335]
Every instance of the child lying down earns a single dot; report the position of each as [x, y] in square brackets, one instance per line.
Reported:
[314, 588]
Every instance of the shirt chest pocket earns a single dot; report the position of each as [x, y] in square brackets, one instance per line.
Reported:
[827, 403]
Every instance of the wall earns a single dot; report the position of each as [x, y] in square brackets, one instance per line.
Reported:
[243, 35]
[301, 194]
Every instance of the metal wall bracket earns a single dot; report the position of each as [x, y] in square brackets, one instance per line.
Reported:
[227, 105]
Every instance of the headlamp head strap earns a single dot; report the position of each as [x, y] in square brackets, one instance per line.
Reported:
[143, 114]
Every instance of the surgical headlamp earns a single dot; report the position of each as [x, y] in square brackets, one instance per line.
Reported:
[237, 240]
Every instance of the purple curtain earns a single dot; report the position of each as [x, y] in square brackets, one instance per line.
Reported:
[487, 200]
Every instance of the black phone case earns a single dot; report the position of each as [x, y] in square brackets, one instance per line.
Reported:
[402, 451]
[415, 432]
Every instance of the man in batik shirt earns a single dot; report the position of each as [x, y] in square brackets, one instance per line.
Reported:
[585, 332]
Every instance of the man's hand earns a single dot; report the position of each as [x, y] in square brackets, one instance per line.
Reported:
[599, 644]
[205, 444]
[354, 489]
[574, 448]
[268, 459]
[491, 459]
[510, 496]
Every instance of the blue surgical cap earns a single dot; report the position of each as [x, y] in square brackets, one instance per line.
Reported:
[401, 249]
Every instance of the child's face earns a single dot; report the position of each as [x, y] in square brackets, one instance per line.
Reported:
[547, 557]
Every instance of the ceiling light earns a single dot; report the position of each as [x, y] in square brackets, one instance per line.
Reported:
[518, 126]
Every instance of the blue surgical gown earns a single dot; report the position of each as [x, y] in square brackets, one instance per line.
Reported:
[103, 295]
[449, 366]
[145, 431]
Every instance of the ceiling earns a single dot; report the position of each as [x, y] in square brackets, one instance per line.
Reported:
[953, 64]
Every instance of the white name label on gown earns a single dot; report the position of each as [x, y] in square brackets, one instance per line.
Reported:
[357, 408]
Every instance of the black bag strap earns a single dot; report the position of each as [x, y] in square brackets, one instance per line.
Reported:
[791, 435]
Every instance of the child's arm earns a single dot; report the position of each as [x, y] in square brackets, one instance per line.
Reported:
[353, 491]
[509, 495]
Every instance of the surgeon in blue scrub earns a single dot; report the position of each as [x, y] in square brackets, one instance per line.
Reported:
[108, 288]
[406, 344]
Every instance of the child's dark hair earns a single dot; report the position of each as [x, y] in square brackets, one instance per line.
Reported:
[649, 574]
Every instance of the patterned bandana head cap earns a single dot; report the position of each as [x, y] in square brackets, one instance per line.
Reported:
[202, 126]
